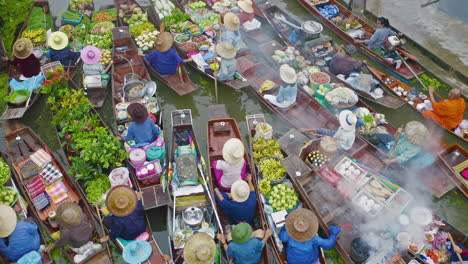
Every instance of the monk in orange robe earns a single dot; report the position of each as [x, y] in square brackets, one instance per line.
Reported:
[449, 113]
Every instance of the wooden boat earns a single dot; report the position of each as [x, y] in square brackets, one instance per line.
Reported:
[367, 30]
[220, 129]
[20, 145]
[453, 157]
[391, 83]
[179, 82]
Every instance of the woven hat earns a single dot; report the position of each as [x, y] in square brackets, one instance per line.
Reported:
[164, 41]
[69, 214]
[200, 249]
[121, 200]
[90, 54]
[302, 225]
[288, 74]
[226, 50]
[231, 21]
[246, 5]
[347, 120]
[137, 251]
[233, 151]
[416, 132]
[240, 191]
[7, 220]
[22, 48]
[350, 49]
[241, 233]
[138, 112]
[58, 40]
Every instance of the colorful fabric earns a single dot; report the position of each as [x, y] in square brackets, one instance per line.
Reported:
[51, 174]
[57, 191]
[24, 239]
[36, 186]
[41, 158]
[448, 113]
[41, 201]
[28, 169]
[329, 11]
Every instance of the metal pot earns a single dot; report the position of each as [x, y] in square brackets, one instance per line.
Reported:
[193, 217]
[359, 250]
[311, 30]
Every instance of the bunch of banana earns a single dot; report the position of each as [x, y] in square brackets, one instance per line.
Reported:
[35, 35]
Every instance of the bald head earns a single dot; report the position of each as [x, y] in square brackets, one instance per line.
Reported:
[454, 93]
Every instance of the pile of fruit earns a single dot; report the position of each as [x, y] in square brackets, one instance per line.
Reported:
[106, 56]
[37, 36]
[272, 169]
[105, 15]
[180, 27]
[194, 30]
[100, 41]
[264, 186]
[83, 6]
[144, 28]
[283, 197]
[102, 27]
[136, 18]
[264, 148]
[163, 8]
[146, 41]
[126, 10]
[209, 20]
[197, 5]
[4, 172]
[7, 196]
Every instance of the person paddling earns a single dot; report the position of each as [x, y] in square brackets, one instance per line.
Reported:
[240, 204]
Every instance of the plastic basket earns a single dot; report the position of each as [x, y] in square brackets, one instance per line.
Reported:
[73, 22]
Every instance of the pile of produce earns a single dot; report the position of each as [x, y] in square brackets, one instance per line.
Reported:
[4, 172]
[106, 56]
[352, 21]
[188, 47]
[83, 6]
[126, 10]
[136, 18]
[272, 169]
[7, 196]
[72, 16]
[144, 28]
[198, 39]
[318, 159]
[223, 5]
[197, 5]
[17, 97]
[105, 15]
[146, 41]
[264, 186]
[182, 38]
[163, 8]
[37, 36]
[180, 27]
[285, 56]
[320, 78]
[282, 197]
[194, 30]
[66, 28]
[265, 148]
[208, 21]
[100, 41]
[82, 29]
[96, 188]
[177, 16]
[341, 96]
[378, 190]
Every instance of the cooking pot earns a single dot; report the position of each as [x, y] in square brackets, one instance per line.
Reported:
[311, 29]
[359, 250]
[193, 217]
[132, 80]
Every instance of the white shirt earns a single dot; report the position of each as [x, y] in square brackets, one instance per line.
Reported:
[345, 138]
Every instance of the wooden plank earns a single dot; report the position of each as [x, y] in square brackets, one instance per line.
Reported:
[217, 111]
[154, 196]
[292, 141]
[295, 166]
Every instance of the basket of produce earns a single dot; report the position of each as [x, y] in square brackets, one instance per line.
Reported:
[188, 47]
[106, 56]
[317, 78]
[283, 197]
[37, 35]
[5, 172]
[83, 6]
[180, 38]
[199, 39]
[72, 17]
[321, 91]
[180, 27]
[8, 195]
[270, 168]
[105, 15]
[341, 97]
[194, 30]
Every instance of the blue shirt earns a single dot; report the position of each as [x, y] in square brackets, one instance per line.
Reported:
[145, 132]
[130, 226]
[227, 70]
[248, 253]
[287, 92]
[230, 36]
[238, 212]
[379, 37]
[307, 252]
[164, 62]
[65, 56]
[24, 239]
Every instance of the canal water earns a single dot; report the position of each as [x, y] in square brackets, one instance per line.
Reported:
[452, 206]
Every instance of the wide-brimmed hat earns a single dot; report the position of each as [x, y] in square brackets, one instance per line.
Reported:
[226, 50]
[121, 200]
[137, 251]
[164, 41]
[7, 220]
[69, 214]
[233, 151]
[246, 5]
[138, 112]
[22, 48]
[241, 233]
[416, 132]
[200, 249]
[302, 225]
[231, 21]
[288, 74]
[90, 54]
[347, 120]
[58, 40]
[240, 191]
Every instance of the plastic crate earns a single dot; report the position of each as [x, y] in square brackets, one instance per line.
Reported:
[52, 66]
[73, 22]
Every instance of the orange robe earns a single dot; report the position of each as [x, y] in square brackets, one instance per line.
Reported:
[448, 113]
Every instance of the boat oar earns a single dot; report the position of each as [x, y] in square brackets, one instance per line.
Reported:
[310, 132]
[211, 199]
[103, 230]
[390, 154]
[216, 87]
[453, 246]
[409, 68]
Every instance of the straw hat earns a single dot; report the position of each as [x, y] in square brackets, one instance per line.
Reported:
[58, 40]
[416, 132]
[240, 191]
[164, 41]
[200, 249]
[233, 151]
[138, 112]
[137, 251]
[246, 5]
[22, 48]
[302, 225]
[7, 220]
[241, 233]
[288, 74]
[226, 50]
[121, 200]
[347, 120]
[69, 214]
[90, 54]
[231, 21]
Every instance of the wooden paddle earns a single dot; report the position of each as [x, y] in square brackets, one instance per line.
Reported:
[453, 245]
[216, 86]
[103, 230]
[389, 155]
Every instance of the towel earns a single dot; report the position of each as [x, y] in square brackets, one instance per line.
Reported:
[36, 186]
[57, 191]
[41, 201]
[41, 158]
[51, 174]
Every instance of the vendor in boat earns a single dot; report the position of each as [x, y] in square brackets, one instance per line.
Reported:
[245, 246]
[247, 15]
[288, 91]
[58, 42]
[128, 215]
[75, 228]
[239, 205]
[344, 63]
[25, 61]
[17, 237]
[228, 65]
[300, 234]
[460, 249]
[91, 56]
[230, 32]
[448, 113]
[165, 59]
[233, 167]
[142, 130]
[199, 249]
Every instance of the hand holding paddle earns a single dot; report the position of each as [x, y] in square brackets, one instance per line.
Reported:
[456, 249]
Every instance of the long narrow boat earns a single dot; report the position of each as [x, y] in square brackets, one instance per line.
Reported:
[219, 131]
[367, 30]
[392, 83]
[179, 82]
[455, 157]
[20, 145]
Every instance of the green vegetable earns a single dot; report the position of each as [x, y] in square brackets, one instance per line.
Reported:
[96, 188]
[177, 16]
[283, 197]
[4, 172]
[431, 82]
[17, 97]
[71, 15]
[7, 195]
[144, 28]
[265, 186]
[264, 148]
[272, 169]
